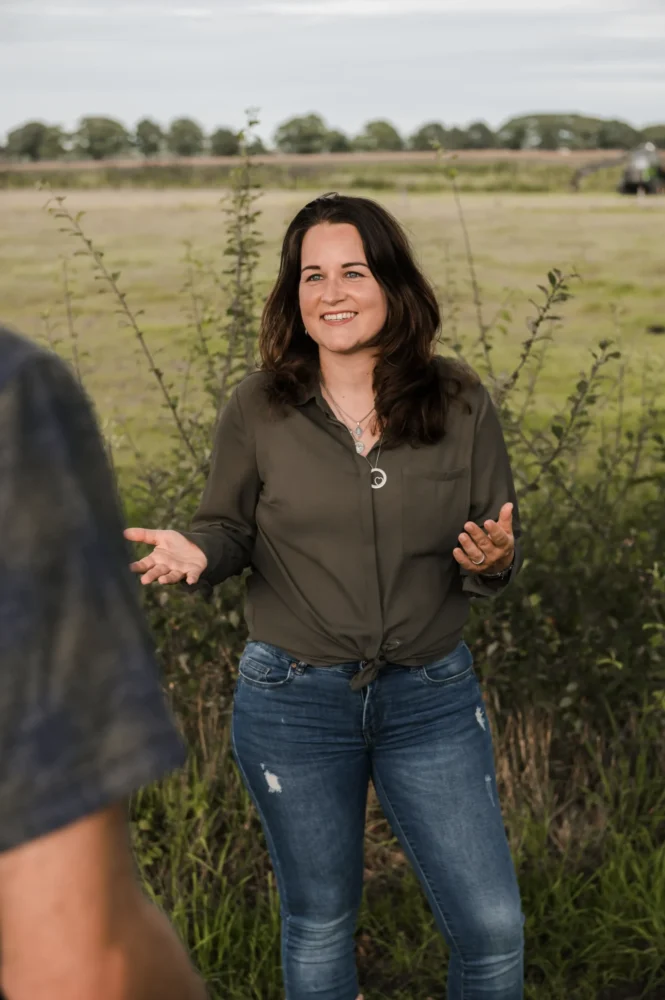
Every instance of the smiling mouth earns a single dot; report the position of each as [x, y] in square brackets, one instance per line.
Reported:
[340, 317]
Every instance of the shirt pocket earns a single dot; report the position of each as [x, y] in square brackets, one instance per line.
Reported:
[435, 507]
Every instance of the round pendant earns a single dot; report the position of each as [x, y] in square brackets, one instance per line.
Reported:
[358, 431]
[360, 447]
[379, 479]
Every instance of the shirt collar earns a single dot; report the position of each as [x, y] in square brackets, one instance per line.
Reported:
[312, 392]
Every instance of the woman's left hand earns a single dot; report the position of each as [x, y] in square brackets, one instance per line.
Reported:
[489, 551]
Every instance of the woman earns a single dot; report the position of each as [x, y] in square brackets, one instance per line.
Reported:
[367, 485]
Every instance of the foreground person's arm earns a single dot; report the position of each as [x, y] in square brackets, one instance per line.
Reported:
[83, 719]
[75, 924]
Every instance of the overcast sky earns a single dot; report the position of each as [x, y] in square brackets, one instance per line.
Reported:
[351, 60]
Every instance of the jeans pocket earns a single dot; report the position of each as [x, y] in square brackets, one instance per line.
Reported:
[456, 667]
[264, 666]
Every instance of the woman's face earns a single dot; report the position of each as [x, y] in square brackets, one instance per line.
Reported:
[342, 304]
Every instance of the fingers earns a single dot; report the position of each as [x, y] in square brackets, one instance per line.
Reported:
[476, 537]
[146, 535]
[461, 557]
[474, 547]
[143, 565]
[506, 518]
[498, 536]
[175, 576]
[496, 544]
[152, 571]
[158, 570]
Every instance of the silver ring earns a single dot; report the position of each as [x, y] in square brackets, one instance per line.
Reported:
[481, 561]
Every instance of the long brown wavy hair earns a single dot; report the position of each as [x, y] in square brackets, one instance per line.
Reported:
[413, 389]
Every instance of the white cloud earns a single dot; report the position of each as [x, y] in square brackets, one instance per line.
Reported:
[643, 27]
[617, 70]
[116, 12]
[400, 8]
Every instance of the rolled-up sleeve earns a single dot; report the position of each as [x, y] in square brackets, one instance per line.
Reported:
[224, 526]
[492, 486]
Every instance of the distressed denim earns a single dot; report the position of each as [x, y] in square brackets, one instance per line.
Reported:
[307, 747]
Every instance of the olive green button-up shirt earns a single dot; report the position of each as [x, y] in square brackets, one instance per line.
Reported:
[342, 572]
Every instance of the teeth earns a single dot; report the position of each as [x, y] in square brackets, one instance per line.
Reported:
[347, 315]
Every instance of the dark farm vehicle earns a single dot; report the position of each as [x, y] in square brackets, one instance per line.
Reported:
[643, 173]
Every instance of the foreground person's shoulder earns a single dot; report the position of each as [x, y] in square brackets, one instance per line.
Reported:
[17, 351]
[36, 381]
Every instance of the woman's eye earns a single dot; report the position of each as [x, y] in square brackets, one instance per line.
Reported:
[348, 274]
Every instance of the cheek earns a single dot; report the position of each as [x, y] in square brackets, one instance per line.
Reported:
[377, 303]
[306, 300]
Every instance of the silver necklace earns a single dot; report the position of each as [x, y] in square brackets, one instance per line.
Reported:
[358, 430]
[378, 476]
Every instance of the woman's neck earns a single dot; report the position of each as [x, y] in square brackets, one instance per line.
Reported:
[348, 385]
[350, 377]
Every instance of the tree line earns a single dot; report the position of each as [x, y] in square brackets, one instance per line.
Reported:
[100, 138]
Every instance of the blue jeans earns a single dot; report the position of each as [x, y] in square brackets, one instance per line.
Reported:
[307, 747]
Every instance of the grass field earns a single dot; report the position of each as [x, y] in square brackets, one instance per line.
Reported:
[504, 170]
[615, 245]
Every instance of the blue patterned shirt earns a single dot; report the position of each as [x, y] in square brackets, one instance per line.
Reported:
[83, 719]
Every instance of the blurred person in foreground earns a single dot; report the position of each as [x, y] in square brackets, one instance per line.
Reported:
[366, 483]
[83, 719]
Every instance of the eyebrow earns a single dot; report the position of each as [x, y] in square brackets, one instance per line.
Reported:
[317, 267]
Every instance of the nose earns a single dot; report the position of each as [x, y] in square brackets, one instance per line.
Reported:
[333, 293]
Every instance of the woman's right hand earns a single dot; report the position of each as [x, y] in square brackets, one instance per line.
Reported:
[174, 557]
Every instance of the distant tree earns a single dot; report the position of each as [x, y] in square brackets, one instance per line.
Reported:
[513, 135]
[26, 141]
[654, 134]
[257, 147]
[550, 137]
[148, 137]
[185, 137]
[616, 134]
[224, 142]
[101, 138]
[536, 131]
[379, 136]
[433, 132]
[304, 134]
[54, 143]
[480, 136]
[337, 142]
[456, 138]
[585, 133]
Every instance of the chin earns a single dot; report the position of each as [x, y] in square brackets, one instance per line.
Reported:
[342, 342]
